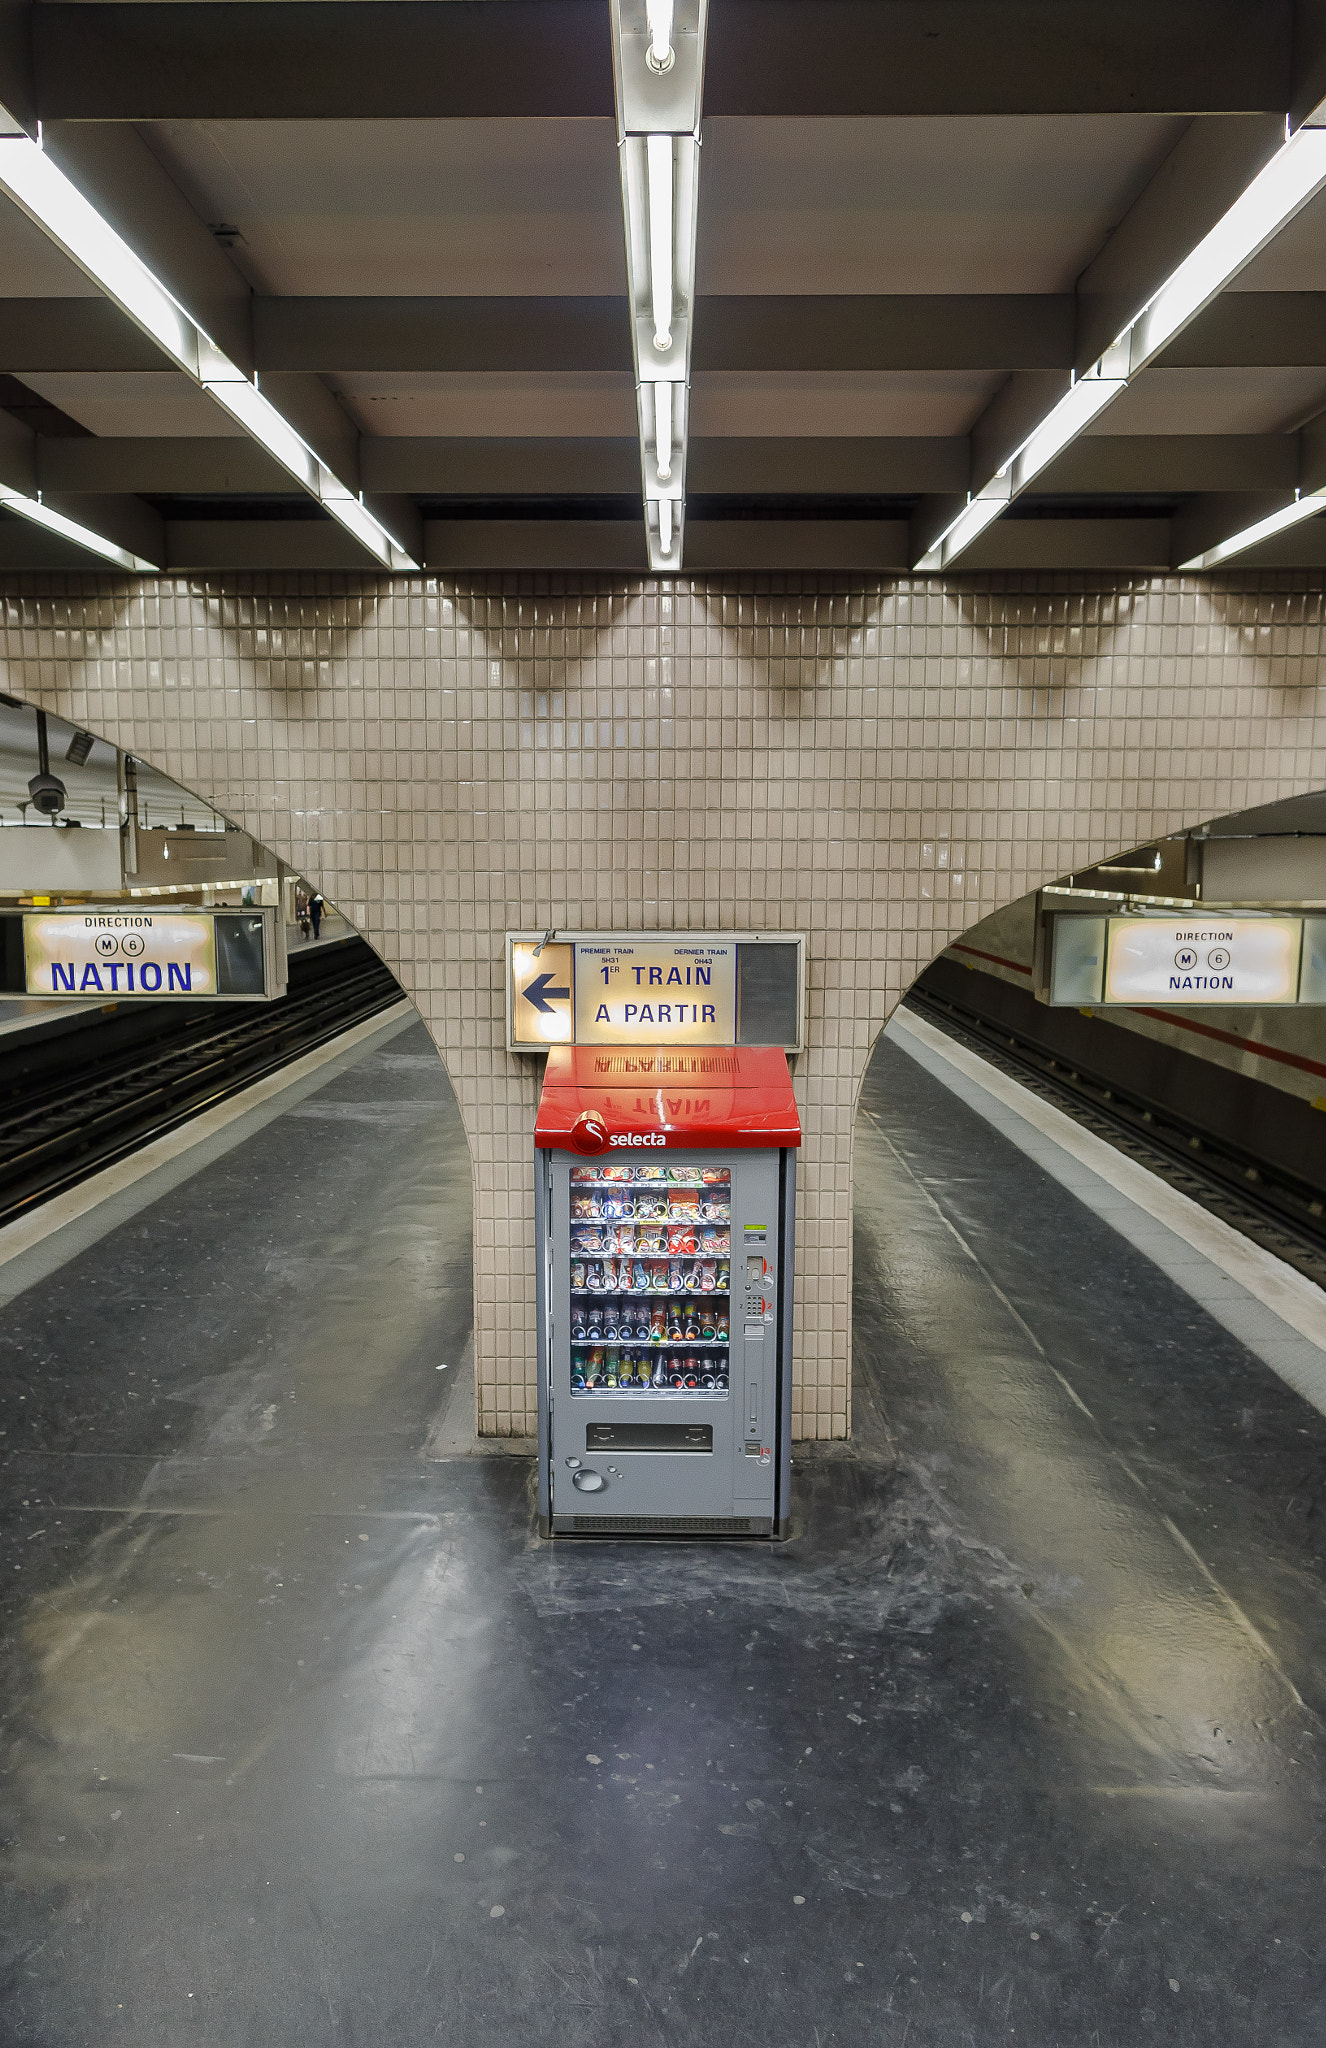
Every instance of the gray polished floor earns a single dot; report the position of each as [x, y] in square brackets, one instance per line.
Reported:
[309, 1740]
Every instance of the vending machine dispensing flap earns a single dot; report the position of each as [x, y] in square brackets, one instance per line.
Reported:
[595, 1098]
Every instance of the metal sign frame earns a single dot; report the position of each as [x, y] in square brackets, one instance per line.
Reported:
[274, 967]
[1075, 962]
[647, 938]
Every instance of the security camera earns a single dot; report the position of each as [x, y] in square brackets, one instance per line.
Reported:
[46, 790]
[48, 794]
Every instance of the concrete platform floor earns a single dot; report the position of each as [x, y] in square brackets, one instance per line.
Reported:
[309, 1740]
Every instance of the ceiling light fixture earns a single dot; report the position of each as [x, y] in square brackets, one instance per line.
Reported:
[663, 431]
[658, 16]
[658, 160]
[1280, 190]
[1305, 505]
[57, 206]
[1080, 404]
[69, 529]
[658, 63]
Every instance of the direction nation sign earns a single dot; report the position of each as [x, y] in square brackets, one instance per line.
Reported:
[127, 952]
[542, 993]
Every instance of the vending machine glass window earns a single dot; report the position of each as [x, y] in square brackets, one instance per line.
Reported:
[650, 1282]
[665, 1269]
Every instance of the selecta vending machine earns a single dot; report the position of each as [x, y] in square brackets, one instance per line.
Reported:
[665, 1200]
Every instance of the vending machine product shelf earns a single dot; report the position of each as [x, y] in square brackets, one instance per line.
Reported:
[665, 1196]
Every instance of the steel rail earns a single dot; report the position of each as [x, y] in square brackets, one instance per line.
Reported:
[108, 1105]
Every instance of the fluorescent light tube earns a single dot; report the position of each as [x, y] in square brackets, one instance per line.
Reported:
[1276, 194]
[1306, 507]
[358, 520]
[1063, 423]
[973, 519]
[69, 529]
[665, 524]
[658, 15]
[663, 431]
[658, 149]
[57, 205]
[245, 403]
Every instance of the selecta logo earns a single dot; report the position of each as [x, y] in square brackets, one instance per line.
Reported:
[589, 1134]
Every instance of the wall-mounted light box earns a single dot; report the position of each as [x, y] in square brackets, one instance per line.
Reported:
[1186, 960]
[655, 988]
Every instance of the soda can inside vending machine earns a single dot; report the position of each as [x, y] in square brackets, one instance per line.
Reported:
[665, 1200]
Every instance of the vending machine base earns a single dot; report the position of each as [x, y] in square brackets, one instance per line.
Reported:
[666, 1240]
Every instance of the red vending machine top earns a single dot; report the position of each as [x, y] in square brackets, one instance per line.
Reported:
[598, 1097]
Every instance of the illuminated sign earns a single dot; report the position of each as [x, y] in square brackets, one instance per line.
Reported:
[542, 984]
[656, 992]
[121, 953]
[1207, 959]
[654, 989]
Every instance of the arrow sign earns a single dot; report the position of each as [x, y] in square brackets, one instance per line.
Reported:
[538, 993]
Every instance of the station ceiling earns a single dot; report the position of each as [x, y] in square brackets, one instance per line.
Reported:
[916, 219]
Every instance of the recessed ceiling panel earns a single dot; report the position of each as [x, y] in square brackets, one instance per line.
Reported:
[842, 402]
[481, 403]
[1215, 402]
[452, 208]
[134, 402]
[979, 205]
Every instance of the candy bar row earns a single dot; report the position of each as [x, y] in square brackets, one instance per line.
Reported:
[650, 1276]
[651, 1205]
[647, 1240]
[643, 1175]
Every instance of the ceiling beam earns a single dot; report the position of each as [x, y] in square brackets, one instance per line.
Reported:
[899, 332]
[217, 544]
[185, 466]
[971, 57]
[1133, 465]
[403, 335]
[782, 466]
[299, 60]
[403, 59]
[997, 332]
[869, 548]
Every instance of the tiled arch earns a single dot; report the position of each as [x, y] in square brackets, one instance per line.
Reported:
[877, 764]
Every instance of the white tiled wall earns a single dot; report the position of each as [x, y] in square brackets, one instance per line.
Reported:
[876, 764]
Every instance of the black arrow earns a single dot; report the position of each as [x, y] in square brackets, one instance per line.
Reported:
[539, 989]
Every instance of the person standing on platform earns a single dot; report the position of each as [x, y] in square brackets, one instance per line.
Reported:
[315, 910]
[301, 912]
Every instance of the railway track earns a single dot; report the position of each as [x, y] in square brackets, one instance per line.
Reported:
[71, 1105]
[1285, 1215]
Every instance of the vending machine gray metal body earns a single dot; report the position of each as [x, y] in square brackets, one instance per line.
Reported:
[665, 1273]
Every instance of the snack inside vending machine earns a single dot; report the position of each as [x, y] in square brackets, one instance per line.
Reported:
[665, 1201]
